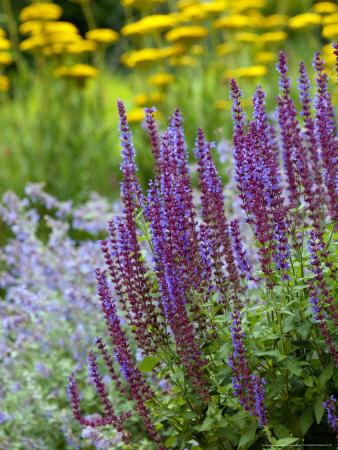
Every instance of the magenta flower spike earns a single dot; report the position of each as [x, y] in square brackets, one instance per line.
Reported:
[213, 212]
[325, 124]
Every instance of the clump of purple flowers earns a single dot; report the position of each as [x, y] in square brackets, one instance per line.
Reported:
[197, 253]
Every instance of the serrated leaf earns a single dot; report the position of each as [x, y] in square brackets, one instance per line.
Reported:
[148, 363]
[325, 375]
[305, 420]
[284, 442]
[248, 435]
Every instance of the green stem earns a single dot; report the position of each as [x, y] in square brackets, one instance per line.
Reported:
[12, 29]
[88, 14]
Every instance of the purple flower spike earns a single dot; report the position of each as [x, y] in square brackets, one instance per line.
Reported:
[153, 137]
[320, 297]
[325, 124]
[249, 388]
[335, 51]
[332, 417]
[75, 400]
[131, 193]
[304, 91]
[212, 201]
[244, 266]
[259, 404]
[285, 107]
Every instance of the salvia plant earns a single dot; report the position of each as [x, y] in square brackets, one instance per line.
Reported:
[235, 329]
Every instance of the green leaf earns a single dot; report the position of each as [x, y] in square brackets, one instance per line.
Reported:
[221, 318]
[277, 386]
[273, 354]
[281, 431]
[304, 329]
[148, 363]
[305, 420]
[318, 408]
[190, 415]
[205, 426]
[248, 434]
[325, 375]
[284, 442]
[170, 441]
[308, 381]
[293, 366]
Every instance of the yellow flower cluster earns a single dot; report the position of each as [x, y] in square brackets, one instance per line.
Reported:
[44, 11]
[141, 4]
[102, 36]
[48, 37]
[209, 33]
[304, 20]
[186, 33]
[161, 79]
[171, 40]
[4, 83]
[51, 37]
[5, 60]
[149, 24]
[5, 56]
[246, 72]
[224, 24]
[148, 56]
[78, 71]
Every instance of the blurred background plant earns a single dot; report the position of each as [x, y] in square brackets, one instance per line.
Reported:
[48, 305]
[63, 65]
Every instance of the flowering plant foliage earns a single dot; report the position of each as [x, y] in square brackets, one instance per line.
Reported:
[235, 352]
